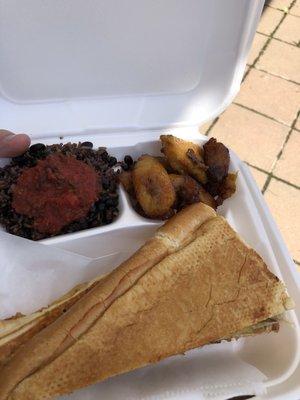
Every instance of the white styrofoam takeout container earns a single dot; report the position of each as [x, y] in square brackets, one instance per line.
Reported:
[120, 73]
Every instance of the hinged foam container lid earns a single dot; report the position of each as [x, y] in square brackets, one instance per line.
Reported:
[76, 65]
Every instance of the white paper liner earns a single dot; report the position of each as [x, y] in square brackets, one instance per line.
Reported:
[33, 274]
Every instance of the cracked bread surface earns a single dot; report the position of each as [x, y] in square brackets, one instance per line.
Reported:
[192, 284]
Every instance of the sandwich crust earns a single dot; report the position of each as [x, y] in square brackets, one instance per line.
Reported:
[195, 282]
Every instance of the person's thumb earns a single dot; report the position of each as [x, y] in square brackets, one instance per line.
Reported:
[12, 145]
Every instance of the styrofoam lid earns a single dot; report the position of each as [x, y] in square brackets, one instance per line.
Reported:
[115, 64]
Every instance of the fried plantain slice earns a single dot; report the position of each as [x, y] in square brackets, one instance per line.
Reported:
[228, 186]
[189, 191]
[207, 198]
[165, 164]
[153, 187]
[184, 157]
[125, 178]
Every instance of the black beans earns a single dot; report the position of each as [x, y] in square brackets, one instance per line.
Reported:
[20, 160]
[35, 148]
[125, 166]
[112, 161]
[128, 160]
[104, 210]
[87, 144]
[101, 206]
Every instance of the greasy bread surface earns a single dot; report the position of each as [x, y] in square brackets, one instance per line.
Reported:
[193, 283]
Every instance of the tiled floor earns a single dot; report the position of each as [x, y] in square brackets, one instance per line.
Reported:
[266, 113]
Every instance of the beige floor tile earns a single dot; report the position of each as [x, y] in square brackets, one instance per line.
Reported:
[280, 4]
[204, 128]
[281, 59]
[295, 10]
[284, 201]
[259, 177]
[289, 30]
[288, 166]
[269, 20]
[271, 95]
[258, 43]
[254, 138]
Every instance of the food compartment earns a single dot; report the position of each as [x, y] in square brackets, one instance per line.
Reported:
[127, 215]
[44, 193]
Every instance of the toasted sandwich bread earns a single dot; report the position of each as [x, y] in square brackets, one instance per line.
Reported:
[194, 283]
[20, 328]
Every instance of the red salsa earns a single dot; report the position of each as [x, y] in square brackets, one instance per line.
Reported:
[59, 190]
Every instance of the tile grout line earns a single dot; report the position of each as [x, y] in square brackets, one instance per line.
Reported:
[277, 178]
[248, 71]
[258, 168]
[251, 109]
[287, 10]
[278, 9]
[212, 125]
[286, 139]
[280, 40]
[280, 153]
[277, 76]
[267, 183]
[286, 182]
[261, 114]
[262, 50]
[253, 65]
